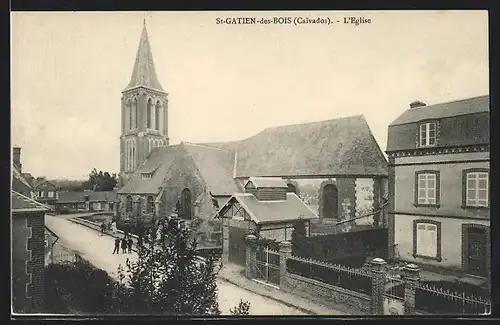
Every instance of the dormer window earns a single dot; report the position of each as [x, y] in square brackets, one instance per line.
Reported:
[427, 134]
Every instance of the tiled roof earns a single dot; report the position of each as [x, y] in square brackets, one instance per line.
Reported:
[159, 160]
[275, 182]
[343, 146]
[144, 73]
[37, 183]
[21, 203]
[466, 106]
[273, 211]
[215, 166]
[71, 197]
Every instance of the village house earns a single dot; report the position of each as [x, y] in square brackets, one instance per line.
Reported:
[45, 192]
[72, 202]
[19, 182]
[28, 253]
[439, 157]
[336, 167]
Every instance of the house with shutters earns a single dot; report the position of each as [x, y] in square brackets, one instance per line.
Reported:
[439, 186]
[335, 166]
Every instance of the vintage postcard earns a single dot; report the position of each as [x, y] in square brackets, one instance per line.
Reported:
[250, 163]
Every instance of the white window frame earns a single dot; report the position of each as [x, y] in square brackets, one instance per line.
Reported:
[40, 193]
[423, 192]
[50, 194]
[427, 239]
[424, 140]
[472, 194]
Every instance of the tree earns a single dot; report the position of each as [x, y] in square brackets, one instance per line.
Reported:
[100, 181]
[168, 278]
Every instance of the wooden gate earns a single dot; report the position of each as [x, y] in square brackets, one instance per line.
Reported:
[267, 266]
[237, 245]
[394, 296]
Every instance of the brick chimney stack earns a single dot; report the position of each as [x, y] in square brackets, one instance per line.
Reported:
[417, 103]
[16, 157]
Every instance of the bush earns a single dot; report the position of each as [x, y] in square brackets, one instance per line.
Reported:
[242, 309]
[78, 286]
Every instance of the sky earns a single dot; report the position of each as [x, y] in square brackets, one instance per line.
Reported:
[229, 82]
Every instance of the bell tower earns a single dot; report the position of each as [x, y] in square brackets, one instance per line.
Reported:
[144, 112]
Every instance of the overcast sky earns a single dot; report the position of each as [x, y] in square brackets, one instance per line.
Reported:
[228, 82]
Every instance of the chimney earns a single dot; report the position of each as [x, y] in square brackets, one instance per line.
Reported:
[16, 157]
[417, 103]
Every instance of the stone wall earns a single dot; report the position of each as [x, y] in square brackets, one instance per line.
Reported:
[332, 296]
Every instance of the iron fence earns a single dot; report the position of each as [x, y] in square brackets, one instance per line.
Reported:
[440, 301]
[341, 276]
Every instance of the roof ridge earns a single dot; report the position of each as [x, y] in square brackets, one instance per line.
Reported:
[203, 146]
[357, 116]
[452, 101]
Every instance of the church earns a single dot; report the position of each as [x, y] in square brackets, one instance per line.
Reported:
[335, 167]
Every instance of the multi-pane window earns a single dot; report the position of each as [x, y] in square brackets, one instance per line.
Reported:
[51, 194]
[150, 204]
[427, 240]
[427, 134]
[477, 189]
[427, 188]
[40, 193]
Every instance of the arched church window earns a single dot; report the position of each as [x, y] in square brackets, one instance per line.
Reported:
[136, 113]
[128, 204]
[133, 154]
[185, 204]
[330, 201]
[157, 115]
[291, 188]
[129, 109]
[150, 204]
[149, 111]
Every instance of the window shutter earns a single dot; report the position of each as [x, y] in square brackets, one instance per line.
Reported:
[421, 239]
[432, 240]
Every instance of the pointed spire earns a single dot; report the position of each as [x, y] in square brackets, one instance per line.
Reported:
[144, 73]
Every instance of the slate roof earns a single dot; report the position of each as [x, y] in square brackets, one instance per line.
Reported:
[216, 167]
[19, 176]
[144, 73]
[274, 182]
[272, 211]
[74, 197]
[21, 203]
[343, 146]
[159, 161]
[39, 182]
[466, 106]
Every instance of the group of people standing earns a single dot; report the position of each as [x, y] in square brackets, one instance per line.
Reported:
[126, 244]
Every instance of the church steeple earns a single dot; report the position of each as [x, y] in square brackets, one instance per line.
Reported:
[144, 73]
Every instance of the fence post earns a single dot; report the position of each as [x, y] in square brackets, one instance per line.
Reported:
[250, 255]
[285, 253]
[378, 286]
[411, 276]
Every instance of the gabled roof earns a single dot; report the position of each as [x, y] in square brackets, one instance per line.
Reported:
[37, 183]
[479, 104]
[144, 73]
[274, 182]
[158, 162]
[215, 166]
[29, 178]
[343, 146]
[22, 203]
[74, 197]
[19, 176]
[293, 208]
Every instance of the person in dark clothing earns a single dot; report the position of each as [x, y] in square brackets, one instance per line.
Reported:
[124, 245]
[117, 246]
[130, 242]
[139, 241]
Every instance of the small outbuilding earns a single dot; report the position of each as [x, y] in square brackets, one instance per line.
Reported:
[265, 209]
